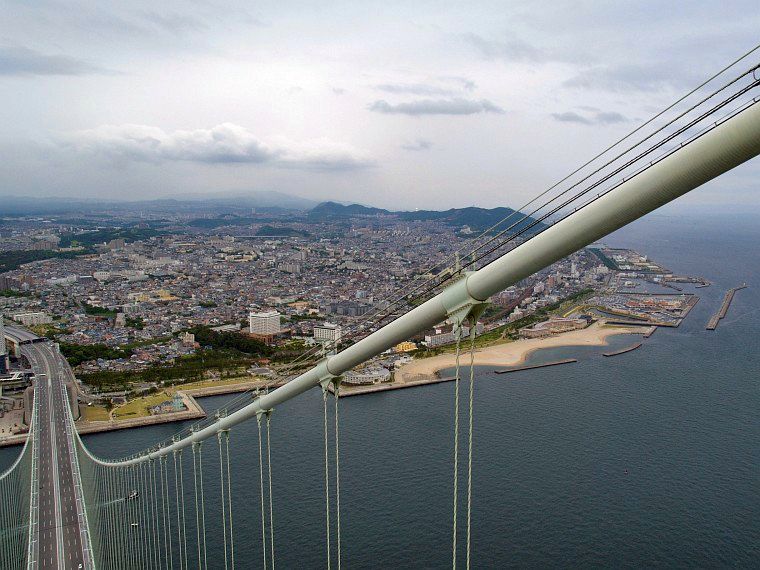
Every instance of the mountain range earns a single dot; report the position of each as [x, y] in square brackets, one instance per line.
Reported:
[477, 219]
[234, 208]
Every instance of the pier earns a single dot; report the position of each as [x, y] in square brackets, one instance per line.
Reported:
[712, 324]
[534, 366]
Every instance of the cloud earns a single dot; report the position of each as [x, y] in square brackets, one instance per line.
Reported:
[226, 143]
[596, 118]
[463, 82]
[21, 61]
[413, 89]
[419, 144]
[454, 106]
[174, 23]
[513, 49]
[631, 77]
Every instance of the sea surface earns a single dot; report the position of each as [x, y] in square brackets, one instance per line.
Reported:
[646, 459]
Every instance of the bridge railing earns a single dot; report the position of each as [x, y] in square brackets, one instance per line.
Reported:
[19, 497]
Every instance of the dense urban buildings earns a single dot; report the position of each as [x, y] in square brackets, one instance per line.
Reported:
[145, 291]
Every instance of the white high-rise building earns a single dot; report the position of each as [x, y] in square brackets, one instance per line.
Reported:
[327, 333]
[266, 323]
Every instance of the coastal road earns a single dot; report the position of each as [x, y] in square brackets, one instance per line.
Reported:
[62, 530]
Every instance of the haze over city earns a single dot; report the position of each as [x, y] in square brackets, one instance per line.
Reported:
[396, 106]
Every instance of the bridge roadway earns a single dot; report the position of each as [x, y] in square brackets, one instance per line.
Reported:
[62, 527]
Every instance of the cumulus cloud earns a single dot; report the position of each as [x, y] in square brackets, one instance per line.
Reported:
[454, 106]
[594, 118]
[226, 143]
[419, 144]
[21, 61]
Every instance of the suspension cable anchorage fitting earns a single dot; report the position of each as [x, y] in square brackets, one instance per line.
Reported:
[256, 395]
[219, 415]
[327, 378]
[460, 305]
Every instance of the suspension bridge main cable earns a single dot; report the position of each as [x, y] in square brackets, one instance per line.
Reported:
[437, 282]
[585, 191]
[515, 213]
[519, 212]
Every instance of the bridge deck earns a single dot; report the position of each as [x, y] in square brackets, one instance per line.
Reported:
[60, 540]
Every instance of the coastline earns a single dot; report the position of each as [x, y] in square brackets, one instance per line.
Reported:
[193, 411]
[512, 353]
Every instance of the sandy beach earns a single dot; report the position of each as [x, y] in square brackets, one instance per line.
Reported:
[512, 353]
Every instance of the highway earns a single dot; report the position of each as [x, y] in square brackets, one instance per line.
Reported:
[62, 524]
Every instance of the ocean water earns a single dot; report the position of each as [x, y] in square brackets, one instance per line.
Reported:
[647, 459]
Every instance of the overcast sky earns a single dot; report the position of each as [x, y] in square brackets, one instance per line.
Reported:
[393, 104]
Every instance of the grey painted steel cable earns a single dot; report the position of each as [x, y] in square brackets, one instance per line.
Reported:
[224, 507]
[168, 513]
[182, 495]
[203, 504]
[180, 514]
[229, 501]
[269, 468]
[469, 442]
[336, 388]
[261, 495]
[197, 507]
[458, 330]
[607, 177]
[154, 511]
[327, 479]
[449, 275]
[177, 509]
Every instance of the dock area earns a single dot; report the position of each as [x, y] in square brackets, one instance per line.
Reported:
[623, 350]
[712, 324]
[534, 366]
[192, 411]
[386, 387]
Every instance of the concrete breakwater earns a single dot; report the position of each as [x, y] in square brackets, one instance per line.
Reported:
[712, 324]
[623, 350]
[385, 387]
[534, 366]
